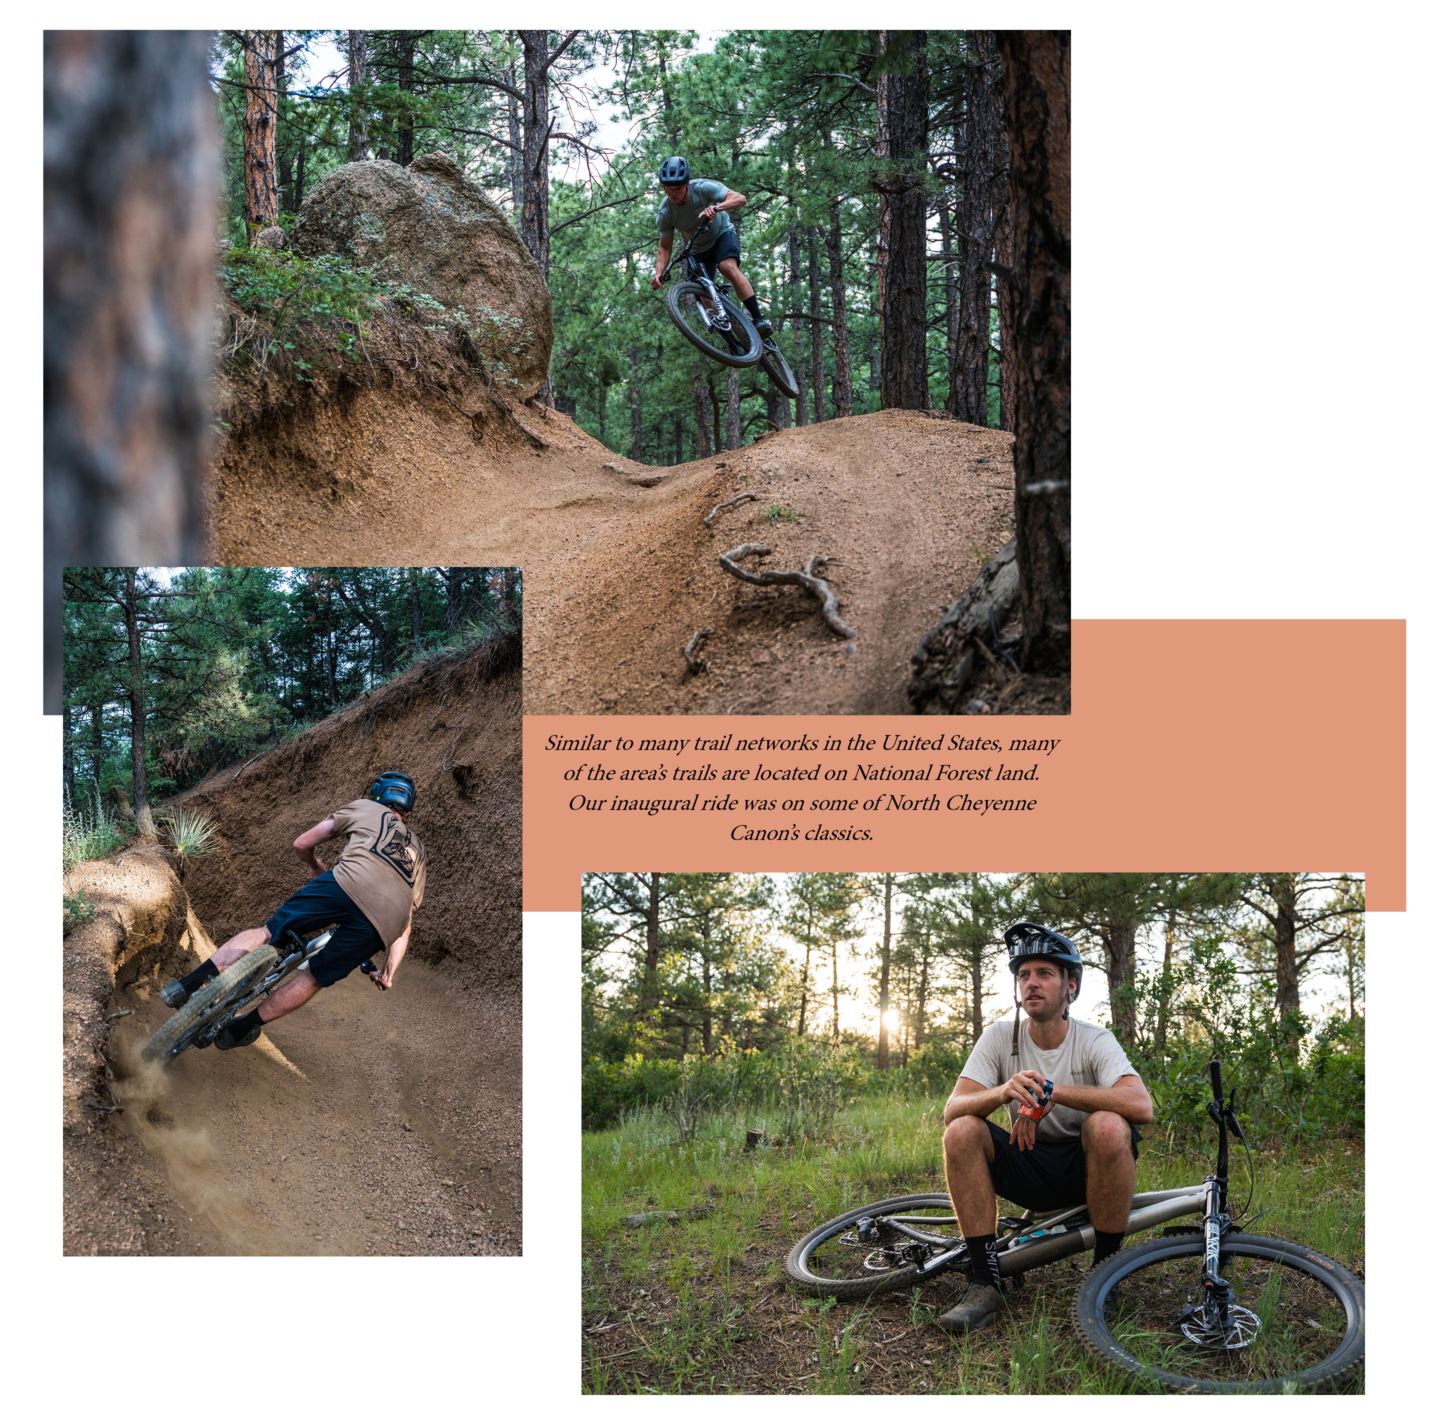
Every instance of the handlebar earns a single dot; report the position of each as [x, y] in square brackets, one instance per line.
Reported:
[1215, 1086]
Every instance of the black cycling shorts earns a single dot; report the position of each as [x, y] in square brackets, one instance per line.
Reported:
[726, 245]
[1048, 1177]
[318, 904]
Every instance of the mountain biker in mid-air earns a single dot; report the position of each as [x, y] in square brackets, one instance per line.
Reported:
[688, 203]
[369, 895]
[1075, 1104]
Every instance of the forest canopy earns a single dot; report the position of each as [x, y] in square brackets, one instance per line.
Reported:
[171, 674]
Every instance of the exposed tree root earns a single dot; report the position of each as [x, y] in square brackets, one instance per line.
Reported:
[695, 664]
[949, 654]
[807, 578]
[709, 519]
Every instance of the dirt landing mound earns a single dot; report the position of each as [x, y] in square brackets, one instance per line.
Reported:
[620, 569]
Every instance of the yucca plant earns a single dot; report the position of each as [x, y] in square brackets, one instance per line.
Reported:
[192, 833]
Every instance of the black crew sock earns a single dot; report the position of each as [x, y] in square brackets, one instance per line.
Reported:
[752, 305]
[984, 1264]
[199, 977]
[1107, 1242]
[240, 1026]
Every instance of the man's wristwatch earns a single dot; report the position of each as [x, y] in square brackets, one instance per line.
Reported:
[1035, 1111]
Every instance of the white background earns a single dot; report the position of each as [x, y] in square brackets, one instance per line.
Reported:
[1255, 329]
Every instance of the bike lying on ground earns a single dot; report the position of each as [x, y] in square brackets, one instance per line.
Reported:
[1199, 1310]
[701, 307]
[234, 992]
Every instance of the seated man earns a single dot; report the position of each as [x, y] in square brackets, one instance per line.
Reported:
[1075, 1107]
[369, 896]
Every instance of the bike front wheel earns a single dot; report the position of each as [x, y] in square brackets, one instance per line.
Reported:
[778, 369]
[725, 335]
[873, 1249]
[228, 989]
[1295, 1319]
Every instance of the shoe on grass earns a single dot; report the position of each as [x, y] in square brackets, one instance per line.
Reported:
[974, 1310]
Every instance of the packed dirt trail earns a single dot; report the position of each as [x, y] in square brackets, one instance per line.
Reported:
[353, 1127]
[621, 569]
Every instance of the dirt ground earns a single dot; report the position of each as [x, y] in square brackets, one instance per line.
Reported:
[620, 568]
[364, 1124]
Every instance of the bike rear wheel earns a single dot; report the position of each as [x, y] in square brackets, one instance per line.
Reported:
[778, 369]
[1297, 1319]
[739, 345]
[227, 990]
[835, 1262]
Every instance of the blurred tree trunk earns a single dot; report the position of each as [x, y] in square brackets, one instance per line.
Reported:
[882, 1046]
[841, 390]
[902, 102]
[733, 430]
[701, 394]
[357, 147]
[792, 303]
[817, 327]
[135, 686]
[1037, 112]
[130, 220]
[535, 172]
[262, 193]
[637, 428]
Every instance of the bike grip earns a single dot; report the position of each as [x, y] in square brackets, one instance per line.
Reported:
[1215, 1077]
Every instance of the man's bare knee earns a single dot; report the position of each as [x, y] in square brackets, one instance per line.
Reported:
[1106, 1134]
[967, 1135]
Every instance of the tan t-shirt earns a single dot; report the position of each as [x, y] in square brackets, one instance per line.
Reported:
[382, 867]
[1089, 1057]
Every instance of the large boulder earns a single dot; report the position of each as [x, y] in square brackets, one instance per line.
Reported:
[431, 228]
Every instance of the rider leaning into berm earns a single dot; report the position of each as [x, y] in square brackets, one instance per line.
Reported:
[367, 897]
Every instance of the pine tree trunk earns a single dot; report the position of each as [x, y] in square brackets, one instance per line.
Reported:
[535, 171]
[637, 427]
[357, 146]
[1167, 986]
[817, 329]
[1037, 111]
[129, 234]
[405, 82]
[515, 133]
[1287, 969]
[976, 149]
[707, 1019]
[792, 303]
[701, 395]
[949, 262]
[1119, 942]
[262, 193]
[67, 750]
[882, 1044]
[839, 318]
[649, 989]
[804, 991]
[284, 148]
[135, 686]
[902, 96]
[732, 410]
[97, 746]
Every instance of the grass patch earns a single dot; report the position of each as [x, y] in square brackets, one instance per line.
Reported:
[88, 832]
[702, 1304]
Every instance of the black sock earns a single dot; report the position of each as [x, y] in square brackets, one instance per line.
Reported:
[199, 977]
[1107, 1242]
[984, 1263]
[752, 305]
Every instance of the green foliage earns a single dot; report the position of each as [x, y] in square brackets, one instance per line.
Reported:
[192, 833]
[78, 910]
[89, 832]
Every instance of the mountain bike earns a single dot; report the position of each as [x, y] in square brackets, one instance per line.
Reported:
[234, 992]
[1201, 1309]
[701, 307]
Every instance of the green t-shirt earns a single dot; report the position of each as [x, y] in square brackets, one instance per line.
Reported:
[686, 216]
[1089, 1057]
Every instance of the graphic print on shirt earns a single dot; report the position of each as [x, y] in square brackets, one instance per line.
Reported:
[393, 845]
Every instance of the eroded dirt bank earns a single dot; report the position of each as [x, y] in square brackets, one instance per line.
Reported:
[368, 1122]
[620, 568]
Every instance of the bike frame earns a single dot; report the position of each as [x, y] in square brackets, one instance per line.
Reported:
[712, 311]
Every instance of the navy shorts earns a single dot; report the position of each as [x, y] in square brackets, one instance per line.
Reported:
[318, 904]
[1048, 1177]
[726, 245]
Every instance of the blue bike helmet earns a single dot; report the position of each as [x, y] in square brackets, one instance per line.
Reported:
[394, 789]
[675, 170]
[1026, 940]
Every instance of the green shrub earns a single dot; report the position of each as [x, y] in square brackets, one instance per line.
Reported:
[88, 832]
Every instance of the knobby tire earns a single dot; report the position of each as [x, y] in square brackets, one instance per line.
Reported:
[778, 369]
[798, 1262]
[1312, 1336]
[232, 984]
[748, 348]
